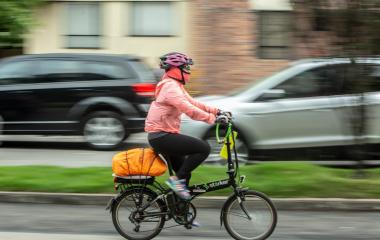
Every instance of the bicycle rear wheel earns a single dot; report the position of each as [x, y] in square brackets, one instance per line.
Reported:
[135, 225]
[259, 208]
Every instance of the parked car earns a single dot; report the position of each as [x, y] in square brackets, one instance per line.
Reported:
[102, 97]
[307, 106]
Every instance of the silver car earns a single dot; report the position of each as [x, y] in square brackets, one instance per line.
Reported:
[307, 105]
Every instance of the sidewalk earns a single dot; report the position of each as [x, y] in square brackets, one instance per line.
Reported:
[55, 236]
[71, 236]
[311, 204]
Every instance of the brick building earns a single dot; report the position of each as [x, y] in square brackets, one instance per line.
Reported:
[233, 43]
[240, 41]
[226, 45]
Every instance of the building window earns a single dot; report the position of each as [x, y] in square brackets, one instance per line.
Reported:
[321, 20]
[153, 19]
[274, 34]
[83, 25]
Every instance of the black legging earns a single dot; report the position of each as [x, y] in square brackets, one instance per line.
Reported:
[185, 153]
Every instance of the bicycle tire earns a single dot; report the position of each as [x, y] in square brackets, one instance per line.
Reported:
[249, 202]
[131, 195]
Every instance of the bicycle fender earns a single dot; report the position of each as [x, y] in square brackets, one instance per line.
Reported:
[224, 208]
[118, 197]
[110, 204]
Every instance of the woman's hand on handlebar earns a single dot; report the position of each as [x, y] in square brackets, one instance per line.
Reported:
[223, 117]
[226, 113]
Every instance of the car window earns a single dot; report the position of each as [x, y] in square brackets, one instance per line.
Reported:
[375, 75]
[144, 73]
[59, 70]
[104, 71]
[16, 73]
[359, 78]
[311, 83]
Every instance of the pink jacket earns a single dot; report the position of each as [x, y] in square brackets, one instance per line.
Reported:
[171, 101]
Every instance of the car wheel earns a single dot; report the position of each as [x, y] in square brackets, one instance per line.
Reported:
[104, 130]
[214, 157]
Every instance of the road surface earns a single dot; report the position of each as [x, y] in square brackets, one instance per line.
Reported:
[67, 222]
[70, 151]
[63, 151]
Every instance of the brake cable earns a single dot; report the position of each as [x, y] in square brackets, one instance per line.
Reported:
[228, 133]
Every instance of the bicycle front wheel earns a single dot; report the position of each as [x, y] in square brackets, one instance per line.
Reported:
[255, 218]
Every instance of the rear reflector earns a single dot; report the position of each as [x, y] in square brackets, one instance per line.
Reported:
[144, 89]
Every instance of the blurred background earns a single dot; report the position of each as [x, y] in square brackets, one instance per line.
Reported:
[301, 77]
[298, 75]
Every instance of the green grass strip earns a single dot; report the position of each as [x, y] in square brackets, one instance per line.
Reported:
[276, 179]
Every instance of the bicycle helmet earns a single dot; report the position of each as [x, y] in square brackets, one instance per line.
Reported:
[175, 59]
[180, 62]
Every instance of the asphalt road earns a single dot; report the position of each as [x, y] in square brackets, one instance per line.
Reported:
[64, 151]
[71, 151]
[55, 222]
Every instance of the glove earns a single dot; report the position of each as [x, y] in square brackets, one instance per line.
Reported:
[222, 119]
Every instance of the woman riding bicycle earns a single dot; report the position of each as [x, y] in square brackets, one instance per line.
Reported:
[185, 153]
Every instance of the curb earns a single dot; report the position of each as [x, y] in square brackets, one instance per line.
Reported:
[310, 204]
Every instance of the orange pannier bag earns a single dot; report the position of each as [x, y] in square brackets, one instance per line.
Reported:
[138, 161]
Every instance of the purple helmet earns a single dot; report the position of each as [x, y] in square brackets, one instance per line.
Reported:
[174, 59]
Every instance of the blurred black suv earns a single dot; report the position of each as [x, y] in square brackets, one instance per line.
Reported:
[102, 97]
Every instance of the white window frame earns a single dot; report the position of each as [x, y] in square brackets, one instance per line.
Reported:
[136, 18]
[262, 45]
[93, 34]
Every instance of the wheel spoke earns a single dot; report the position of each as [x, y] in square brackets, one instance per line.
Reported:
[240, 215]
[138, 225]
[259, 208]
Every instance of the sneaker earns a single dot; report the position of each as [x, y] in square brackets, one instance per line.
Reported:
[194, 223]
[179, 187]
